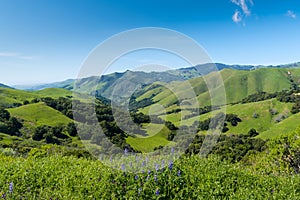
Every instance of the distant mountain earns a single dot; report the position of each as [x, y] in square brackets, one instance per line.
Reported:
[118, 84]
[64, 84]
[4, 86]
[238, 84]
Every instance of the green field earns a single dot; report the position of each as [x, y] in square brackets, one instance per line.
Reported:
[54, 92]
[157, 136]
[39, 114]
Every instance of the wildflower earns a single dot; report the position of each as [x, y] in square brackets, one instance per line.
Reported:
[3, 196]
[149, 172]
[130, 164]
[125, 151]
[156, 167]
[155, 178]
[123, 167]
[172, 151]
[11, 187]
[179, 173]
[136, 177]
[157, 192]
[162, 164]
[170, 165]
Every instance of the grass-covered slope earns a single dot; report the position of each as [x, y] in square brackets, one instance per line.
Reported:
[39, 114]
[9, 96]
[53, 92]
[157, 136]
[238, 84]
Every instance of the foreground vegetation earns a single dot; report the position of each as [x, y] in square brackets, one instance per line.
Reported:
[57, 177]
[51, 173]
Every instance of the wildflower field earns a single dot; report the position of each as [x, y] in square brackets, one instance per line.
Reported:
[67, 177]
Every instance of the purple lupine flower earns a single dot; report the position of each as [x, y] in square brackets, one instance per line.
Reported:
[130, 164]
[143, 164]
[147, 160]
[170, 165]
[156, 167]
[125, 151]
[3, 196]
[162, 164]
[136, 177]
[157, 192]
[11, 187]
[149, 172]
[155, 178]
[179, 173]
[172, 151]
[123, 167]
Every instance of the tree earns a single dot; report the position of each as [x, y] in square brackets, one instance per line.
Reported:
[4, 114]
[252, 132]
[71, 128]
[25, 102]
[40, 132]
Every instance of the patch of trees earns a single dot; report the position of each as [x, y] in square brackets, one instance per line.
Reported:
[200, 111]
[134, 105]
[213, 123]
[260, 96]
[9, 125]
[61, 104]
[232, 148]
[173, 130]
[51, 134]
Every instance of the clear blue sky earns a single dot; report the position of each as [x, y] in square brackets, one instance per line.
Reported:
[47, 40]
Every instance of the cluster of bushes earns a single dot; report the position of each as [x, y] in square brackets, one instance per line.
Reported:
[9, 125]
[212, 123]
[232, 148]
[200, 111]
[260, 96]
[55, 134]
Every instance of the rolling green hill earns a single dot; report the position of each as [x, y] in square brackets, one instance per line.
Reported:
[157, 137]
[9, 96]
[53, 92]
[39, 114]
[238, 85]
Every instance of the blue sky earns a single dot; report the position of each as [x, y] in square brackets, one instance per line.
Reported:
[47, 40]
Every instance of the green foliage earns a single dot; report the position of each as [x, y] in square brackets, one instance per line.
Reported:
[52, 135]
[64, 177]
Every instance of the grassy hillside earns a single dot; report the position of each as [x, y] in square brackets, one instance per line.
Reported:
[53, 92]
[9, 96]
[39, 114]
[238, 85]
[255, 115]
[157, 136]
